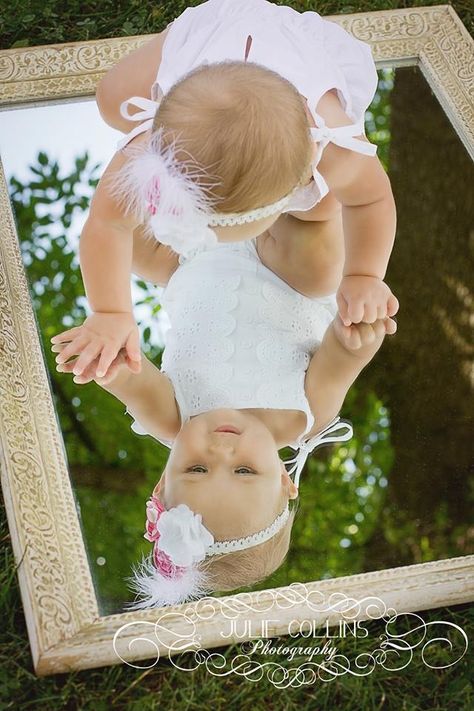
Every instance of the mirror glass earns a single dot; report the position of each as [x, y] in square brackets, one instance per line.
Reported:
[398, 493]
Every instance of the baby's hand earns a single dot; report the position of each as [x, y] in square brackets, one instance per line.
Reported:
[101, 335]
[359, 335]
[365, 298]
[90, 372]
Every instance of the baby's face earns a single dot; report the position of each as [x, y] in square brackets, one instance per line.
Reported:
[225, 465]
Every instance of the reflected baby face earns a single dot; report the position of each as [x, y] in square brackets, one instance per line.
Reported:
[224, 464]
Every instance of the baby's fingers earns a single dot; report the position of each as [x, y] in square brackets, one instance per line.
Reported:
[69, 335]
[370, 312]
[392, 305]
[390, 326]
[87, 356]
[120, 360]
[367, 333]
[384, 326]
[356, 310]
[378, 328]
[343, 309]
[134, 365]
[73, 348]
[353, 340]
[86, 376]
[108, 355]
[110, 374]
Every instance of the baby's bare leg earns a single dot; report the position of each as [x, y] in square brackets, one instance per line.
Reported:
[309, 256]
[152, 261]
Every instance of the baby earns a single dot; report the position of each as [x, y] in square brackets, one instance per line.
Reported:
[249, 97]
[250, 366]
[257, 354]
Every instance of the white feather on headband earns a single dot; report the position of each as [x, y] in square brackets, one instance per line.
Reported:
[165, 194]
[157, 590]
[171, 575]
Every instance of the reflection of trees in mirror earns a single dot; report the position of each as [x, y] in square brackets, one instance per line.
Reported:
[377, 117]
[363, 505]
[425, 373]
[113, 470]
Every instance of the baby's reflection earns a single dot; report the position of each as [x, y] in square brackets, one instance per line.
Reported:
[251, 365]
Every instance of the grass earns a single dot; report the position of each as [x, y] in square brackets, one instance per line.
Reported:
[51, 21]
[121, 687]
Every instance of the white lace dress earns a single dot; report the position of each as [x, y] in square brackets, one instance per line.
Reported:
[240, 337]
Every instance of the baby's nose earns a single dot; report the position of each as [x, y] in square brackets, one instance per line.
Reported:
[222, 447]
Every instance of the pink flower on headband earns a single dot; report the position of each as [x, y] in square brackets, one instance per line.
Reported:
[165, 565]
[161, 561]
[154, 196]
[171, 574]
[178, 536]
[154, 199]
[154, 509]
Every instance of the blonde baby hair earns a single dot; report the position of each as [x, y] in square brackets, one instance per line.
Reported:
[251, 565]
[244, 123]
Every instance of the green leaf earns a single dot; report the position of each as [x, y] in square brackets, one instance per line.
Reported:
[21, 43]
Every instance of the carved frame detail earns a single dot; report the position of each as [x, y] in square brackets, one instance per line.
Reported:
[65, 629]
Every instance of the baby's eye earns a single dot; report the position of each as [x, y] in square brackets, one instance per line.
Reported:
[244, 470]
[198, 469]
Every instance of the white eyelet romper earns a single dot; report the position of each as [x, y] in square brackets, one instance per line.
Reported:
[240, 337]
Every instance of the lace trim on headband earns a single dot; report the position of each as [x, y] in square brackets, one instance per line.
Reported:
[237, 544]
[239, 218]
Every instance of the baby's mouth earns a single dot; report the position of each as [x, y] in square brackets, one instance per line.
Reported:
[228, 428]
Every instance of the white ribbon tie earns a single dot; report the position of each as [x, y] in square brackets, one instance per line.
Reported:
[326, 436]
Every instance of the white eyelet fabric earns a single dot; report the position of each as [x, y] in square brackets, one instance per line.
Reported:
[240, 337]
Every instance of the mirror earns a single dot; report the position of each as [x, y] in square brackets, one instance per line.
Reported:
[398, 493]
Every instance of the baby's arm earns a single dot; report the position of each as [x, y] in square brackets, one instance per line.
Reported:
[152, 260]
[105, 248]
[148, 395]
[343, 354]
[361, 185]
[132, 76]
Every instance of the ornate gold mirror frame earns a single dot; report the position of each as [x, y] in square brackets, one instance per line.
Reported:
[65, 629]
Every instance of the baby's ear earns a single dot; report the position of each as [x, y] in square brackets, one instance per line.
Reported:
[288, 483]
[159, 490]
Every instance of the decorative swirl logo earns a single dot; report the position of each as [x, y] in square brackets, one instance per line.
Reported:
[176, 635]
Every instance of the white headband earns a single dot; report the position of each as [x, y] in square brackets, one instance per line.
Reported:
[171, 575]
[154, 185]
